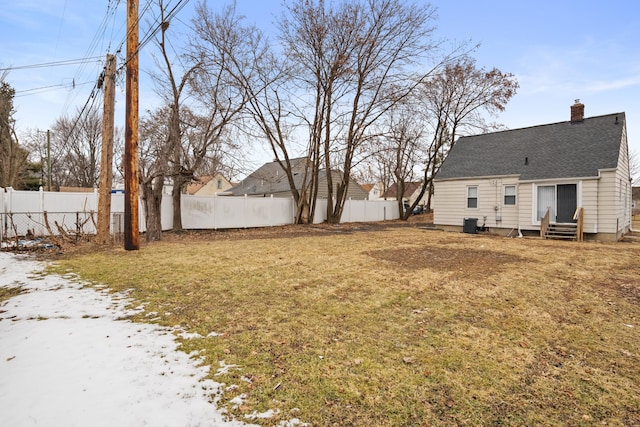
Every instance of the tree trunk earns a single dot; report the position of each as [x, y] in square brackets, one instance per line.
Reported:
[429, 196]
[176, 196]
[152, 196]
[335, 214]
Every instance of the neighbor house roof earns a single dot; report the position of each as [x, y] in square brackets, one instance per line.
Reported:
[558, 150]
[409, 189]
[270, 178]
[194, 186]
[367, 187]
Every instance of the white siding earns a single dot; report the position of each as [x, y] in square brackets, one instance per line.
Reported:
[623, 176]
[607, 202]
[590, 205]
[450, 202]
[614, 195]
[526, 211]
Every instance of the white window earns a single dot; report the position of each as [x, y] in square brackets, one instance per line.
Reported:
[472, 197]
[509, 194]
[219, 184]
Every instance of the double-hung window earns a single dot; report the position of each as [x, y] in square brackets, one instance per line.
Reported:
[509, 195]
[472, 197]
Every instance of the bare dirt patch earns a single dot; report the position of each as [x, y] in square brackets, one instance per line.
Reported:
[627, 288]
[466, 262]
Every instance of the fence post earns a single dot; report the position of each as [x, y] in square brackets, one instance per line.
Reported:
[41, 200]
[271, 209]
[244, 216]
[213, 209]
[9, 206]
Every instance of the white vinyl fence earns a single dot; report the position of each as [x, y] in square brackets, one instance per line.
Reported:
[39, 213]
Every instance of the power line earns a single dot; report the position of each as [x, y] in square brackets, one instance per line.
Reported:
[52, 64]
[27, 92]
[92, 99]
[140, 15]
[152, 31]
[148, 36]
[99, 35]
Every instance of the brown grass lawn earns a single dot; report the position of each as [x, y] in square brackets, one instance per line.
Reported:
[397, 326]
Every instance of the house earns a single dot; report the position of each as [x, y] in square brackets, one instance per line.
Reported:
[508, 181]
[635, 204]
[208, 185]
[411, 192]
[271, 180]
[374, 191]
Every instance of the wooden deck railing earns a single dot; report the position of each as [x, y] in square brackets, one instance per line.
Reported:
[578, 216]
[544, 224]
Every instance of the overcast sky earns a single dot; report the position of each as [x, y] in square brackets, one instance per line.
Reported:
[559, 51]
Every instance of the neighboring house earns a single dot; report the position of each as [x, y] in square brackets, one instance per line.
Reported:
[411, 193]
[271, 180]
[635, 204]
[374, 191]
[508, 180]
[208, 185]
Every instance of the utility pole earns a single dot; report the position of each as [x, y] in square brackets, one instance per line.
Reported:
[131, 228]
[106, 159]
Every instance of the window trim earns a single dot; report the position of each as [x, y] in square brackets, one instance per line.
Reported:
[469, 198]
[535, 220]
[514, 195]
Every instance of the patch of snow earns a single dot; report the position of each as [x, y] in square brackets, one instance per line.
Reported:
[263, 415]
[293, 423]
[224, 368]
[66, 359]
[238, 400]
[190, 335]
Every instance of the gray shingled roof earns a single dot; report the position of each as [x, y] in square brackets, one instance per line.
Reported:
[558, 150]
[270, 178]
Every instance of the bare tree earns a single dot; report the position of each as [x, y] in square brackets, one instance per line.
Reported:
[197, 132]
[379, 164]
[171, 87]
[405, 148]
[227, 43]
[154, 154]
[455, 100]
[355, 59]
[13, 157]
[208, 142]
[75, 149]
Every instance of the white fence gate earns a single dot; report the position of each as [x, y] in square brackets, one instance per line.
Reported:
[25, 213]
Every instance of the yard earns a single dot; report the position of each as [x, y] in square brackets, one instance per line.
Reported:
[390, 326]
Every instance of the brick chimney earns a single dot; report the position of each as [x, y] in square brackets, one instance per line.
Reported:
[577, 112]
